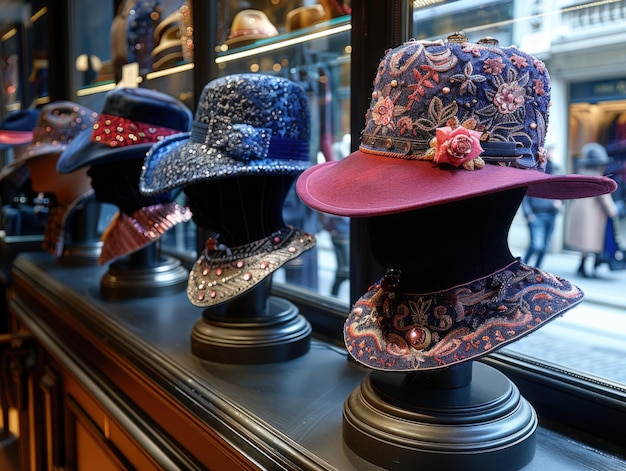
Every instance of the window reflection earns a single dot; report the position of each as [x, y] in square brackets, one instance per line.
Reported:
[588, 105]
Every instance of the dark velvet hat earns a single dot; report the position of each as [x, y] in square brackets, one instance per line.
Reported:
[245, 124]
[448, 120]
[131, 121]
[17, 127]
[593, 154]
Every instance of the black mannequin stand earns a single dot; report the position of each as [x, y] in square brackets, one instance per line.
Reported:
[83, 244]
[143, 274]
[253, 328]
[464, 416]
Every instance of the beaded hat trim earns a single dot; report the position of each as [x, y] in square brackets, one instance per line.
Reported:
[127, 234]
[395, 331]
[245, 124]
[223, 273]
[117, 131]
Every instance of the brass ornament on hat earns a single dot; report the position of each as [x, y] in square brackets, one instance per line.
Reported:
[457, 37]
[489, 40]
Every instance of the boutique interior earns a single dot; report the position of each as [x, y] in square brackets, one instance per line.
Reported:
[272, 235]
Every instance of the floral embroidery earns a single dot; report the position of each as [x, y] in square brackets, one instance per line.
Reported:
[502, 91]
[409, 332]
[422, 83]
[405, 124]
[510, 96]
[541, 67]
[538, 87]
[469, 79]
[473, 49]
[383, 112]
[457, 146]
[493, 66]
[518, 61]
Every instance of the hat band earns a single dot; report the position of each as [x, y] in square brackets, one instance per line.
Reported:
[245, 142]
[116, 131]
[493, 151]
[250, 32]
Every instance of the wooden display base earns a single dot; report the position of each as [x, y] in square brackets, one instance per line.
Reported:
[280, 336]
[446, 423]
[126, 280]
[81, 254]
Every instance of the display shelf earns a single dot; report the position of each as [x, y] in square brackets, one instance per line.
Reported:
[128, 364]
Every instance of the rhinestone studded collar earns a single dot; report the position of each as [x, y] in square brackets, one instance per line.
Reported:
[223, 273]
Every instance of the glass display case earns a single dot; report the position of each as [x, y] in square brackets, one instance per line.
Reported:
[309, 44]
[314, 52]
[118, 377]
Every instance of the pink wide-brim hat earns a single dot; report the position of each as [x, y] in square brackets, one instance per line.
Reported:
[448, 120]
[365, 184]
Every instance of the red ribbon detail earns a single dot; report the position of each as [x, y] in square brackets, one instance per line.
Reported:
[116, 131]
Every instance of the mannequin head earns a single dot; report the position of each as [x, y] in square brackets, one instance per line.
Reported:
[446, 245]
[118, 183]
[66, 188]
[242, 209]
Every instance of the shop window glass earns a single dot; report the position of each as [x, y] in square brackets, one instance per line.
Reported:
[588, 106]
[23, 58]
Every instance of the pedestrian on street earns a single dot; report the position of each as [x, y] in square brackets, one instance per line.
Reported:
[540, 215]
[588, 216]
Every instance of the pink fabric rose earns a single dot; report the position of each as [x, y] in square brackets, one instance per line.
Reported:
[457, 146]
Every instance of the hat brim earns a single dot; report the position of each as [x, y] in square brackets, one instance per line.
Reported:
[14, 138]
[127, 234]
[366, 184]
[176, 161]
[246, 40]
[83, 152]
[32, 153]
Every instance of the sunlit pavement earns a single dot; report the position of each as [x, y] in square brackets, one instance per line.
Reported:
[591, 337]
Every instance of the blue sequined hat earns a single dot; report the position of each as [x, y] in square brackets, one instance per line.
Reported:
[448, 120]
[246, 124]
[131, 121]
[17, 127]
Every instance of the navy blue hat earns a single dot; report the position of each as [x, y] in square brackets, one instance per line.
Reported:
[131, 121]
[17, 127]
[245, 124]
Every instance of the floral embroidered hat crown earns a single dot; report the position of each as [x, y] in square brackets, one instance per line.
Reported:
[447, 120]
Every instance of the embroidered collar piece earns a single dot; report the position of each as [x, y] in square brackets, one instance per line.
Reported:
[395, 331]
[222, 273]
